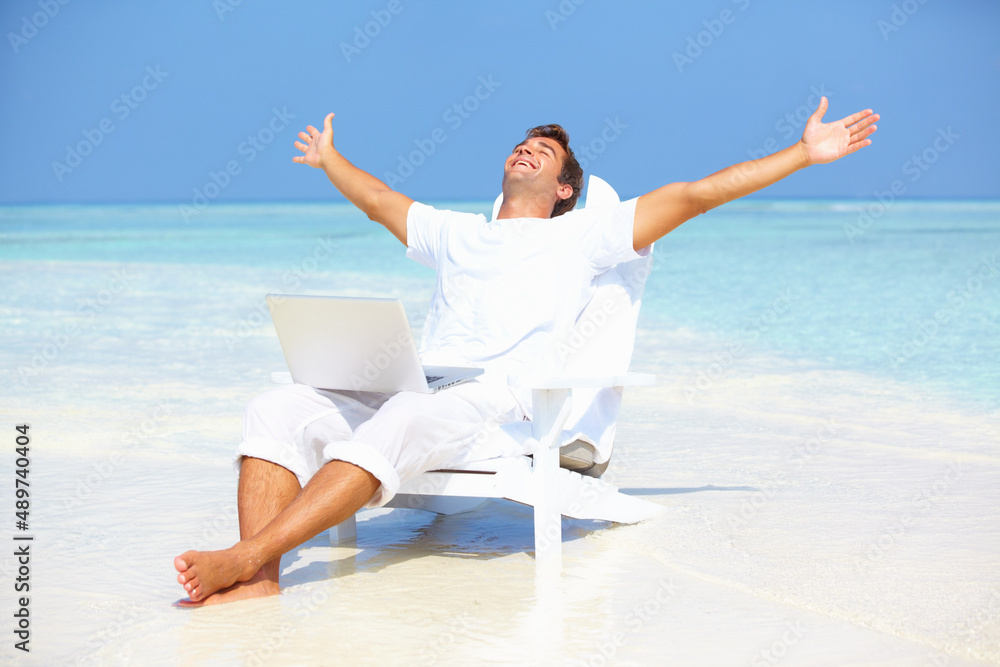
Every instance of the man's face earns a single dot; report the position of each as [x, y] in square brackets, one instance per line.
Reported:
[536, 159]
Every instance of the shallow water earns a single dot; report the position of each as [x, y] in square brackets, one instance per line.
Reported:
[823, 506]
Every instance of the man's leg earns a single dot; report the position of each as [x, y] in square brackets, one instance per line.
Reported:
[265, 489]
[284, 432]
[413, 432]
[409, 434]
[336, 492]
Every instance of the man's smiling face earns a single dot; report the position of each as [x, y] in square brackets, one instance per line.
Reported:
[540, 156]
[541, 173]
[533, 169]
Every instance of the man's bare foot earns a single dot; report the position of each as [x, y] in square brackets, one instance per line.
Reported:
[202, 573]
[258, 586]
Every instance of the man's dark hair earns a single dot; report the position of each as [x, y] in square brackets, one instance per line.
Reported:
[572, 172]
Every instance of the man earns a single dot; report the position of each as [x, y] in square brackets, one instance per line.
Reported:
[508, 290]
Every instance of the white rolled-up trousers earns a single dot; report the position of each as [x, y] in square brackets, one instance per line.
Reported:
[395, 437]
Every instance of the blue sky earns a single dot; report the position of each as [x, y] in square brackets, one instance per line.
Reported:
[109, 101]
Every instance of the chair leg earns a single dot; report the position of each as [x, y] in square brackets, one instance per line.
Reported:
[548, 521]
[550, 408]
[344, 533]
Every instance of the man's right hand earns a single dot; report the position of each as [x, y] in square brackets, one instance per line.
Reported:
[375, 199]
[318, 145]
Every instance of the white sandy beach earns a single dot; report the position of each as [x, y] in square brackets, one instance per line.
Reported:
[814, 517]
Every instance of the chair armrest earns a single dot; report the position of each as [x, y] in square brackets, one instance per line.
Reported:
[579, 381]
[544, 381]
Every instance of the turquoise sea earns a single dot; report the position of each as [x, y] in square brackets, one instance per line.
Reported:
[910, 293]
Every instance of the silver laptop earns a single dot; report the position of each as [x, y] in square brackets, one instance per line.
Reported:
[351, 343]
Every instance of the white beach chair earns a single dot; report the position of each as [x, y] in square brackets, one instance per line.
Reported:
[574, 420]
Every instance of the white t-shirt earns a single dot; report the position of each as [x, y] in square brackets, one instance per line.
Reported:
[508, 291]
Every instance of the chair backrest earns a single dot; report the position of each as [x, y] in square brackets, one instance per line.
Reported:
[602, 338]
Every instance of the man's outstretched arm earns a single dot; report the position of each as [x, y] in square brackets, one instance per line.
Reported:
[376, 199]
[663, 210]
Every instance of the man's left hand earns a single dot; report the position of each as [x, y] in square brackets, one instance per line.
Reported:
[826, 142]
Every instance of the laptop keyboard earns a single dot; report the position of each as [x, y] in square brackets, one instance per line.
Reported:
[433, 378]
